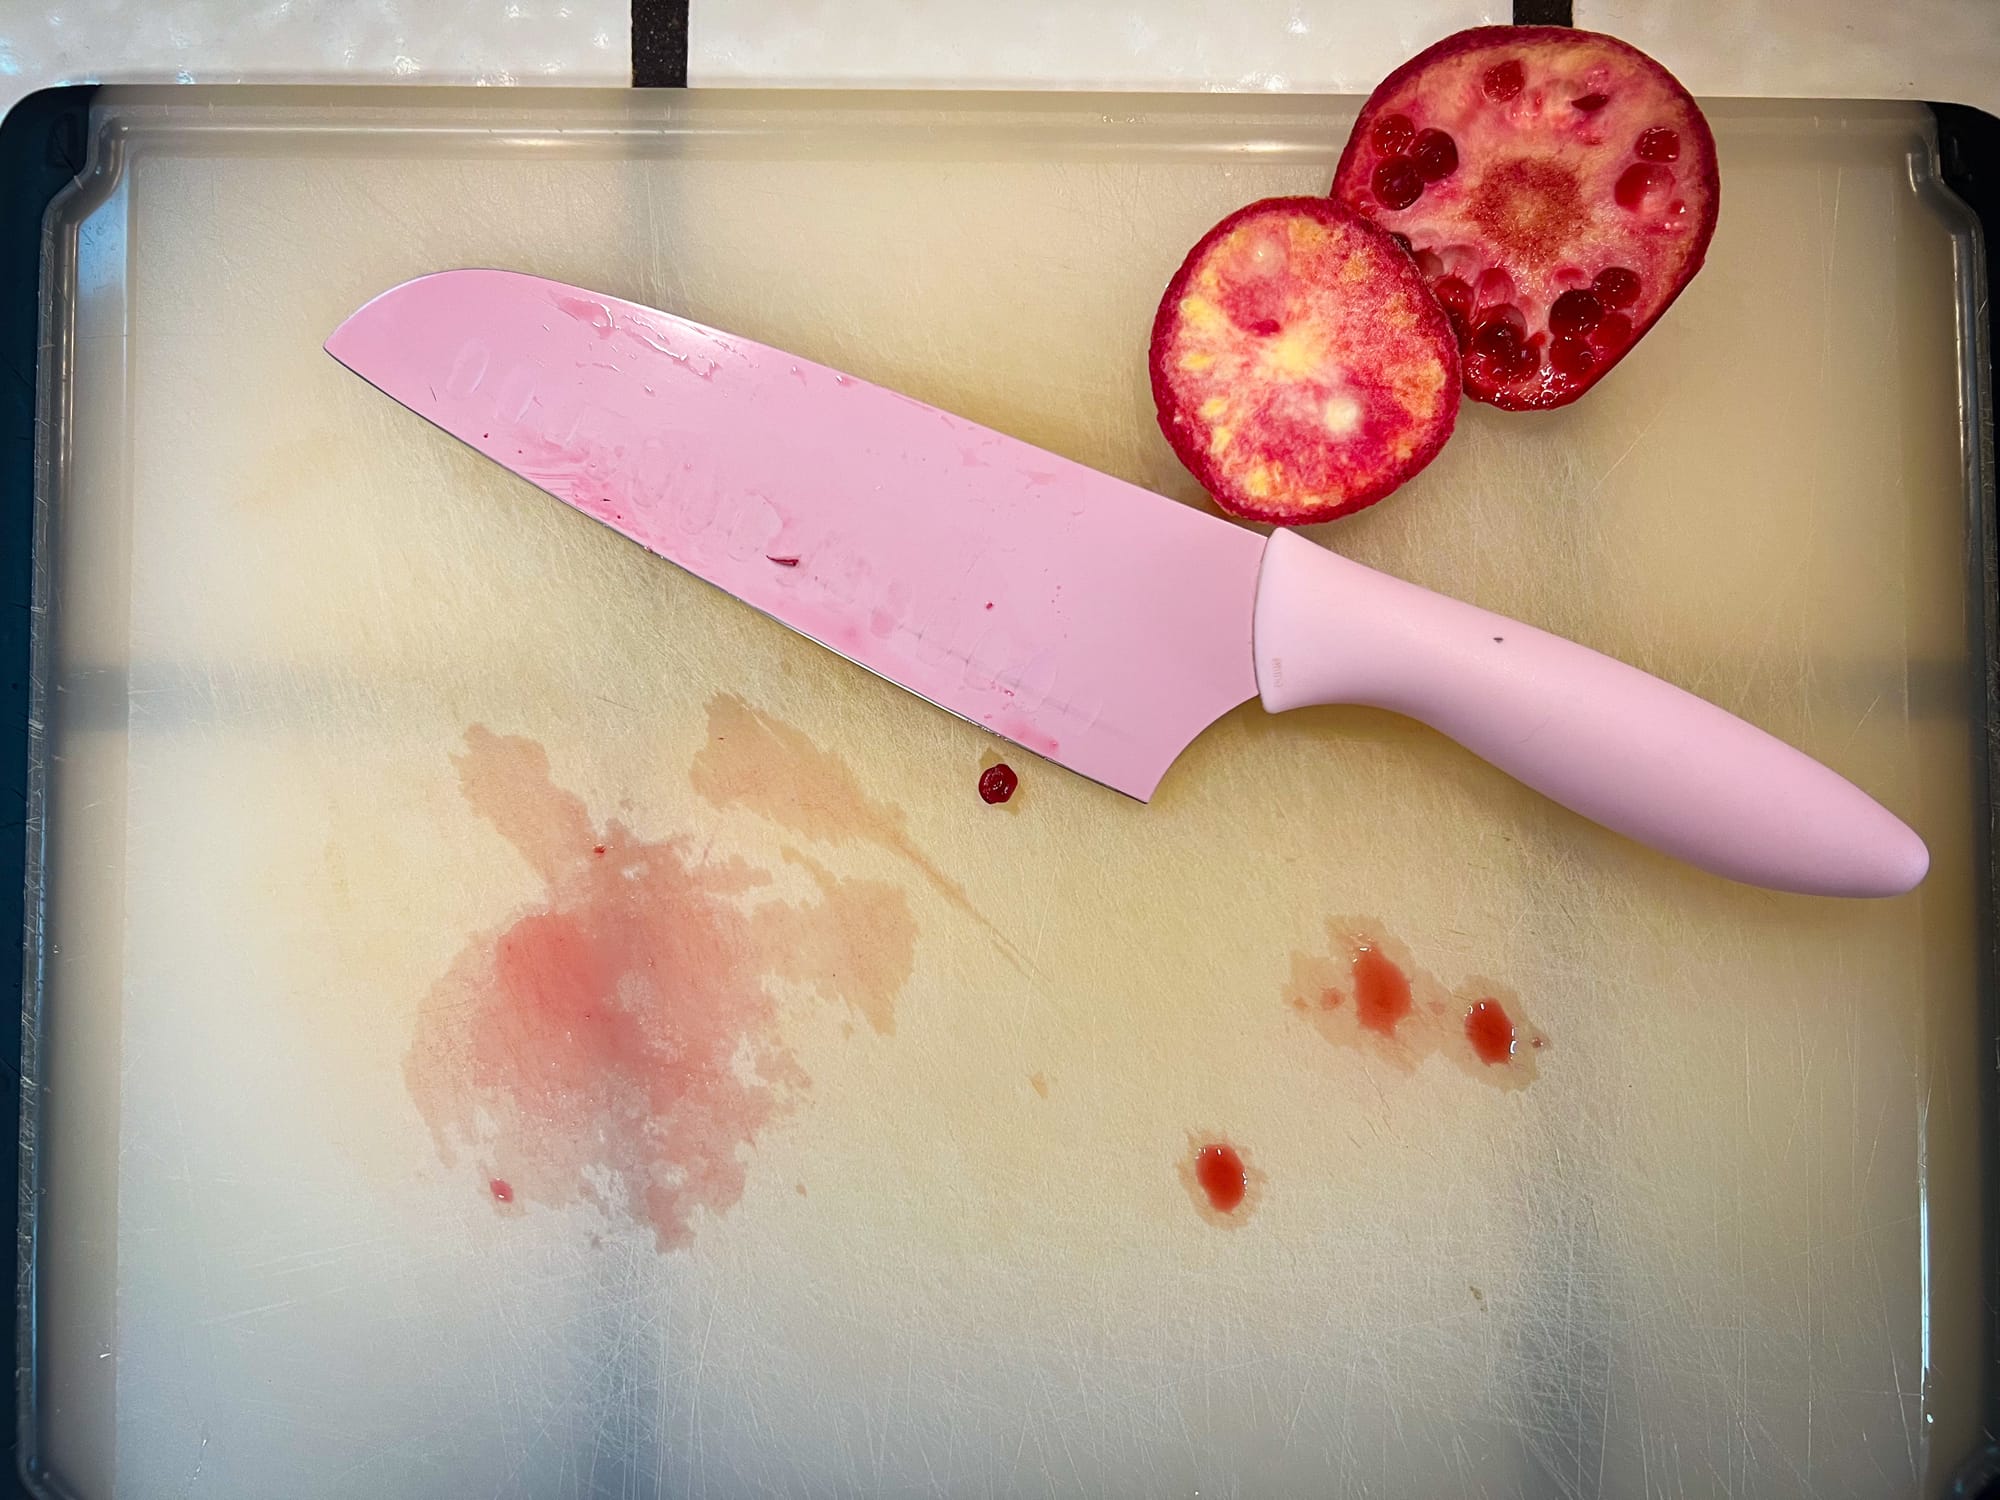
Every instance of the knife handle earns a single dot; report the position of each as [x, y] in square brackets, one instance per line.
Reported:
[1604, 739]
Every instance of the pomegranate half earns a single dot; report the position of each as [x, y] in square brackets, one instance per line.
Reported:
[1300, 367]
[1557, 189]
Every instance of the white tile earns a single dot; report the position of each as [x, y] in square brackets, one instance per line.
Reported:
[1338, 46]
[1826, 49]
[439, 41]
[1936, 49]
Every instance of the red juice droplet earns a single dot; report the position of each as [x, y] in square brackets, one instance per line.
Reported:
[997, 783]
[1490, 1031]
[502, 1190]
[1381, 990]
[1219, 1170]
[1405, 1015]
[783, 562]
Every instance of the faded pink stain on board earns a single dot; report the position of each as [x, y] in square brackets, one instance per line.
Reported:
[619, 1043]
[755, 761]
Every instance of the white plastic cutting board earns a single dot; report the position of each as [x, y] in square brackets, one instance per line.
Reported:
[311, 1228]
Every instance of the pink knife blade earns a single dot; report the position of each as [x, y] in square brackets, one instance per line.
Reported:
[1086, 619]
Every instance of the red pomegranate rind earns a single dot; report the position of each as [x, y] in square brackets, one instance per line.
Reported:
[1583, 171]
[1300, 367]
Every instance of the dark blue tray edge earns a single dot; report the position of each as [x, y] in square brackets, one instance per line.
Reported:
[1968, 163]
[43, 146]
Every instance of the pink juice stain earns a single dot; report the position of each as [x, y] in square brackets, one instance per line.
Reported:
[618, 1042]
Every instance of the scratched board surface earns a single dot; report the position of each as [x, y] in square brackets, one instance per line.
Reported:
[519, 1023]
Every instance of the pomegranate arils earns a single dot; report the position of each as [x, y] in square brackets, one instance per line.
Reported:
[1557, 173]
[1500, 343]
[1658, 144]
[1613, 331]
[1457, 299]
[1504, 80]
[1454, 294]
[997, 783]
[1640, 181]
[1392, 134]
[1436, 155]
[1499, 334]
[1570, 356]
[1616, 287]
[1398, 183]
[1574, 312]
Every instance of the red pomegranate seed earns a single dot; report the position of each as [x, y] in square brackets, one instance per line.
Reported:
[1500, 344]
[1454, 294]
[1398, 183]
[997, 783]
[1498, 335]
[1658, 144]
[1574, 312]
[1504, 80]
[1571, 356]
[1436, 155]
[1613, 331]
[1640, 181]
[1392, 134]
[1616, 287]
[1548, 177]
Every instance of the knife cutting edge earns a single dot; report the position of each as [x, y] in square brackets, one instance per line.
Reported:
[1088, 620]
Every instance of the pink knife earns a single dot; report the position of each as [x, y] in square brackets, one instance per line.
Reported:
[1088, 620]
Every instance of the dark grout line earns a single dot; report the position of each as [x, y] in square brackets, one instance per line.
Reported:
[659, 44]
[1544, 13]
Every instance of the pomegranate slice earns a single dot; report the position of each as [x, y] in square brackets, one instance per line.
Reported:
[1300, 368]
[1558, 189]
